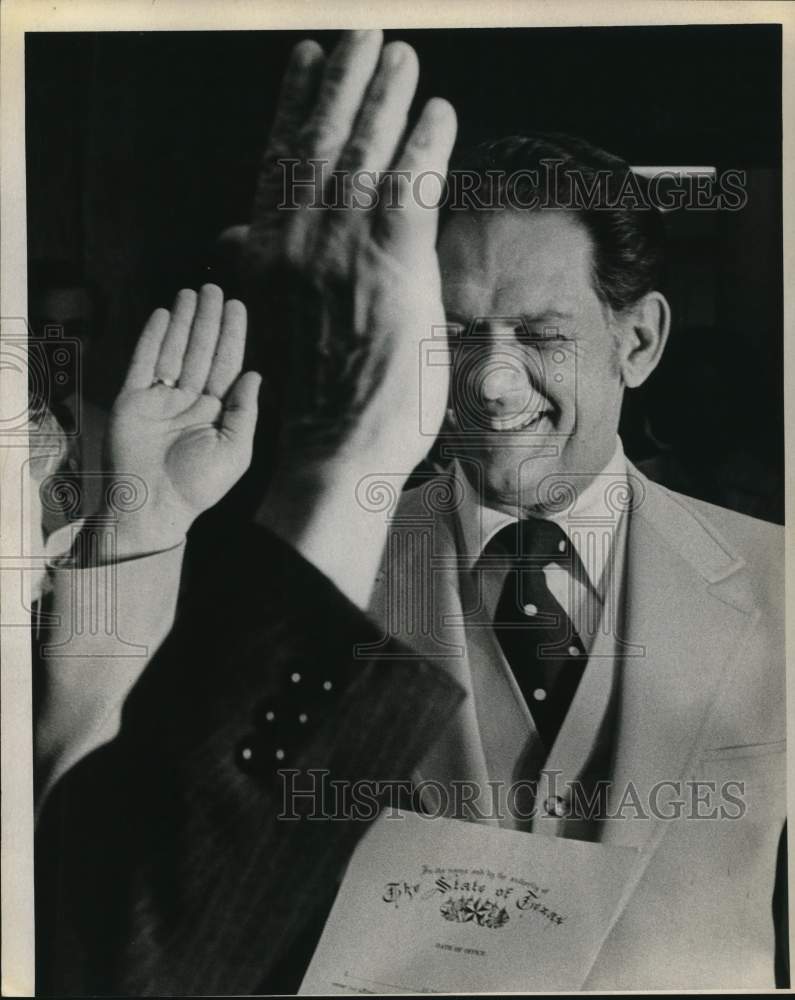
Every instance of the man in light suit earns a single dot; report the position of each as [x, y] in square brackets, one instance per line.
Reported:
[162, 864]
[621, 645]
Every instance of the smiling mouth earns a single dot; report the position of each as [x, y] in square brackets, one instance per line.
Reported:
[517, 422]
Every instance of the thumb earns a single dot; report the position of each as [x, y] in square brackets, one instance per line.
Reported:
[230, 243]
[239, 415]
[410, 216]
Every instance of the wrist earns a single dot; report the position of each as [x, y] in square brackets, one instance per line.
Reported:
[133, 535]
[143, 538]
[316, 510]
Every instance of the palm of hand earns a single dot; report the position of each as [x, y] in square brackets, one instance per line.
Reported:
[171, 439]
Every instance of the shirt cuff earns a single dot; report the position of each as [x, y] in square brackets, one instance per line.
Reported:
[69, 561]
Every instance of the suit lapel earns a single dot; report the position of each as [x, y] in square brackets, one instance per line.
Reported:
[687, 610]
[418, 595]
[458, 755]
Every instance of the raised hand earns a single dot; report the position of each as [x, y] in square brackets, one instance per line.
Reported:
[341, 255]
[184, 420]
[344, 288]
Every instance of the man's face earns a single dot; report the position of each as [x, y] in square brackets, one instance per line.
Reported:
[536, 389]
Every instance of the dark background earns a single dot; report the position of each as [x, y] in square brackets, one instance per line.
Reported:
[142, 147]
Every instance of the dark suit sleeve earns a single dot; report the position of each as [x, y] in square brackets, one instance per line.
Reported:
[162, 863]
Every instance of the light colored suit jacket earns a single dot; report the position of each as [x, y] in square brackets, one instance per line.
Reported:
[701, 697]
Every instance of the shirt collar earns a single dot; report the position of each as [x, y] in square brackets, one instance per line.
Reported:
[479, 524]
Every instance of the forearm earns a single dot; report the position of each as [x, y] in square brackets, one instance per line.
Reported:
[185, 815]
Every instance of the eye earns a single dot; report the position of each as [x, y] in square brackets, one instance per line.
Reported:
[546, 334]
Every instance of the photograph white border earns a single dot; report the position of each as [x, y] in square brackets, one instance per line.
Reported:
[20, 16]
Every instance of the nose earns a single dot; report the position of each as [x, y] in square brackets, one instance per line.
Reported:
[503, 383]
[495, 381]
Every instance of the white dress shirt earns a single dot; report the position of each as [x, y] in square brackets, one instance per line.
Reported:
[591, 521]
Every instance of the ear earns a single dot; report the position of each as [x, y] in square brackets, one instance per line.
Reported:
[644, 335]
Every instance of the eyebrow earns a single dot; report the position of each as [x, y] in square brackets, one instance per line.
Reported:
[527, 318]
[546, 314]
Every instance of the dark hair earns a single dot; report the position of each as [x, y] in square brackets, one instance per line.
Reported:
[560, 171]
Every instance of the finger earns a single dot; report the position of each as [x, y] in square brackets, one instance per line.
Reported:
[141, 373]
[239, 416]
[382, 116]
[297, 96]
[169, 363]
[409, 215]
[228, 358]
[230, 244]
[346, 76]
[204, 333]
[298, 92]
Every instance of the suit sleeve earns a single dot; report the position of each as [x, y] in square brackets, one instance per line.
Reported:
[105, 624]
[173, 859]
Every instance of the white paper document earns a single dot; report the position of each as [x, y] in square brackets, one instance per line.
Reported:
[441, 905]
